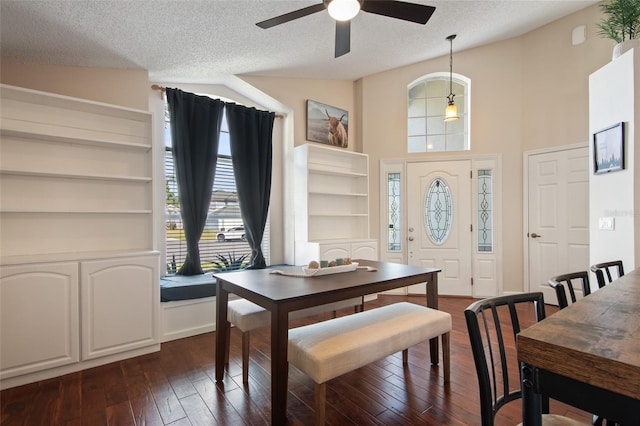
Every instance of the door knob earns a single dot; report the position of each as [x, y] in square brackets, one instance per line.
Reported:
[410, 238]
[534, 235]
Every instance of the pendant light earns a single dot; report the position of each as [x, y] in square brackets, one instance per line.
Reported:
[451, 113]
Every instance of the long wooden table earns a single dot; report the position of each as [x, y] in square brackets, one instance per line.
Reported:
[587, 355]
[283, 294]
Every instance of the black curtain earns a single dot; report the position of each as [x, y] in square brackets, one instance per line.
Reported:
[250, 136]
[195, 132]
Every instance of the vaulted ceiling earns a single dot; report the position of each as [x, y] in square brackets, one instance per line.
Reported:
[200, 41]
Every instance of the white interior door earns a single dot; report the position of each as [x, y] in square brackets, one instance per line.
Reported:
[439, 222]
[558, 212]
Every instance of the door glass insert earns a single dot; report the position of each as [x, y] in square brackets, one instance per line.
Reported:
[438, 211]
[393, 211]
[485, 211]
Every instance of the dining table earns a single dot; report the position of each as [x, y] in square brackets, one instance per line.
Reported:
[586, 355]
[281, 294]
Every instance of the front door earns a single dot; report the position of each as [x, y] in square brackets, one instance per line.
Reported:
[558, 212]
[439, 223]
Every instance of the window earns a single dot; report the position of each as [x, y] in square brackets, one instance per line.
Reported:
[393, 211]
[427, 100]
[485, 211]
[222, 245]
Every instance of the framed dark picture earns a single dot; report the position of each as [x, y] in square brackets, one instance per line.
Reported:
[327, 124]
[608, 149]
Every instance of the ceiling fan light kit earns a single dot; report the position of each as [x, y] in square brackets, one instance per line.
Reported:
[345, 10]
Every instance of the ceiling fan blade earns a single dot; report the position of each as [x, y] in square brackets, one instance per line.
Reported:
[412, 12]
[343, 38]
[291, 16]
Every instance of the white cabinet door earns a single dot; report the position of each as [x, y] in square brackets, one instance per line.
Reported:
[334, 251]
[120, 305]
[38, 317]
[365, 250]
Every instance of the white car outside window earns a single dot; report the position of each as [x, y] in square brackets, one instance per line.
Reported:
[236, 233]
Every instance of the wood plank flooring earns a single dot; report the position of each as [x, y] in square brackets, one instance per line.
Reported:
[177, 387]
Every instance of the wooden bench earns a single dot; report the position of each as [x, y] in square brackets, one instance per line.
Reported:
[247, 316]
[328, 349]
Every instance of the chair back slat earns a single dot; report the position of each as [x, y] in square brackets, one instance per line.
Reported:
[560, 281]
[605, 268]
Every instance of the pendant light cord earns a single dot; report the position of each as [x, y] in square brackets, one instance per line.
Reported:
[451, 95]
[451, 66]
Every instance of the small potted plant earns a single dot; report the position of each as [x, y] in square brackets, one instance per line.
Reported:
[621, 23]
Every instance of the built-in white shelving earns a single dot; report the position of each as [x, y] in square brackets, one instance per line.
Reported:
[332, 204]
[73, 170]
[76, 221]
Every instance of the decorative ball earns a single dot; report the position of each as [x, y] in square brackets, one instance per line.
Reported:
[314, 265]
[333, 263]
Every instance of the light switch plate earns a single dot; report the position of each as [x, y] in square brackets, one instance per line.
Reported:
[606, 223]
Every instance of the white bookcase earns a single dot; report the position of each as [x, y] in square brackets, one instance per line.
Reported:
[76, 192]
[331, 204]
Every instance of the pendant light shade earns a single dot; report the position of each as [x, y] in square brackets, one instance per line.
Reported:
[451, 113]
[343, 10]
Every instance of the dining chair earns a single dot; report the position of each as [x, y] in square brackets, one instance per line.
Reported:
[558, 283]
[605, 268]
[493, 326]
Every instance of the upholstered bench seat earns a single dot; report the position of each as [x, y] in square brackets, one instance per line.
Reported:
[328, 349]
[247, 316]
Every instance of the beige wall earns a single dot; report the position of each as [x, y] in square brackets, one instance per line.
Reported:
[295, 92]
[125, 87]
[556, 107]
[527, 93]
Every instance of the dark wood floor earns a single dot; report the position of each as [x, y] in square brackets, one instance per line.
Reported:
[176, 386]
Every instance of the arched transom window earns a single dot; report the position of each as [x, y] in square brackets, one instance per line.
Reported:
[427, 100]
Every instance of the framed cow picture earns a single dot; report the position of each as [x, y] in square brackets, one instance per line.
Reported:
[327, 124]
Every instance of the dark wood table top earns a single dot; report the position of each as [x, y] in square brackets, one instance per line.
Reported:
[595, 341]
[271, 288]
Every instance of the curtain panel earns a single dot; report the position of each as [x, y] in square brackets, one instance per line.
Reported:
[195, 131]
[250, 134]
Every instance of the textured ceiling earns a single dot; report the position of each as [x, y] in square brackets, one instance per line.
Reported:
[202, 41]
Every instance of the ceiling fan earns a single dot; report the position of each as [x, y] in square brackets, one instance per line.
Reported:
[344, 10]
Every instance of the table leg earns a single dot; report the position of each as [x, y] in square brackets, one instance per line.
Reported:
[531, 400]
[432, 302]
[279, 365]
[222, 298]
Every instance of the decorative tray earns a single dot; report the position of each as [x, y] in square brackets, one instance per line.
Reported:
[330, 270]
